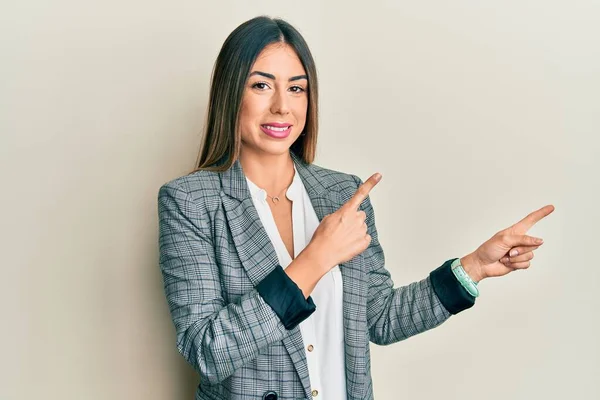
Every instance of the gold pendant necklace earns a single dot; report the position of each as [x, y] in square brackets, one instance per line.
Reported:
[275, 199]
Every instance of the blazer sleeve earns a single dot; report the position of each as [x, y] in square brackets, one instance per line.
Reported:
[216, 338]
[395, 314]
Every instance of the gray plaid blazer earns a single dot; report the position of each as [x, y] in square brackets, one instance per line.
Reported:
[214, 250]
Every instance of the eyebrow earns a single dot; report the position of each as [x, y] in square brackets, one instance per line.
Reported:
[271, 76]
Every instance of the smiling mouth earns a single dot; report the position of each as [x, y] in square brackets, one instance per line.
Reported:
[278, 132]
[277, 128]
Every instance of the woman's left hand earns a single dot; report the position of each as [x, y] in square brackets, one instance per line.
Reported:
[492, 257]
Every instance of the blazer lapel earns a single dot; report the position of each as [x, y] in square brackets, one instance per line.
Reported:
[326, 201]
[258, 257]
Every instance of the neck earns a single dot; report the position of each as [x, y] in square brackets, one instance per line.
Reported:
[271, 172]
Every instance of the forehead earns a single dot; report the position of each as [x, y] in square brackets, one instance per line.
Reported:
[279, 59]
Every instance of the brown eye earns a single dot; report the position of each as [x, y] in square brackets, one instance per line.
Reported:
[260, 86]
[297, 89]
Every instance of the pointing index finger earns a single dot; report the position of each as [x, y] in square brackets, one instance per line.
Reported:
[363, 191]
[526, 223]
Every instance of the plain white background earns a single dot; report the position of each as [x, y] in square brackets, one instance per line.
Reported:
[476, 113]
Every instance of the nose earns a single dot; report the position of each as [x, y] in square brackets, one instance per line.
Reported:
[280, 104]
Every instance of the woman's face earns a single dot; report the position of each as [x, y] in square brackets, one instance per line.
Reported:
[275, 101]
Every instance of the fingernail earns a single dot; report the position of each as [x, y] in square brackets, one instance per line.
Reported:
[377, 177]
[513, 252]
[538, 240]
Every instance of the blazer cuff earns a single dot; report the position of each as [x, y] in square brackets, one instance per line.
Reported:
[449, 290]
[285, 298]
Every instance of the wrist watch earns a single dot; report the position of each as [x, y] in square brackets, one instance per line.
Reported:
[465, 280]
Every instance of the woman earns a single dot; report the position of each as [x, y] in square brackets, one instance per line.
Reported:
[273, 271]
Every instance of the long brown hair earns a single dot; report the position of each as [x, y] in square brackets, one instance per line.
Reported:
[221, 143]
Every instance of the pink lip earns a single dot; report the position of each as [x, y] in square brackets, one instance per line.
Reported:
[277, 134]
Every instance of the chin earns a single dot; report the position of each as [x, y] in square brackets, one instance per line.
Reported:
[276, 148]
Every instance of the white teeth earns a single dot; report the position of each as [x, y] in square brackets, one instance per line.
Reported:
[273, 128]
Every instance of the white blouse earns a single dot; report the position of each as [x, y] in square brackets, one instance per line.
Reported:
[322, 332]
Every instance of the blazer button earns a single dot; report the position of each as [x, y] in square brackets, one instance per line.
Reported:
[270, 395]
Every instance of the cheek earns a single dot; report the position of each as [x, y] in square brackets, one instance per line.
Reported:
[246, 120]
[253, 107]
[300, 110]
[245, 112]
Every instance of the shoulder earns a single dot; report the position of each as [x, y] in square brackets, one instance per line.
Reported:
[197, 185]
[336, 180]
[346, 184]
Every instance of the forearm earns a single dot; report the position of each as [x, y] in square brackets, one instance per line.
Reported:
[307, 269]
[395, 314]
[219, 342]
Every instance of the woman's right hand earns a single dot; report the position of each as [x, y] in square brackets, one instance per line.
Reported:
[343, 234]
